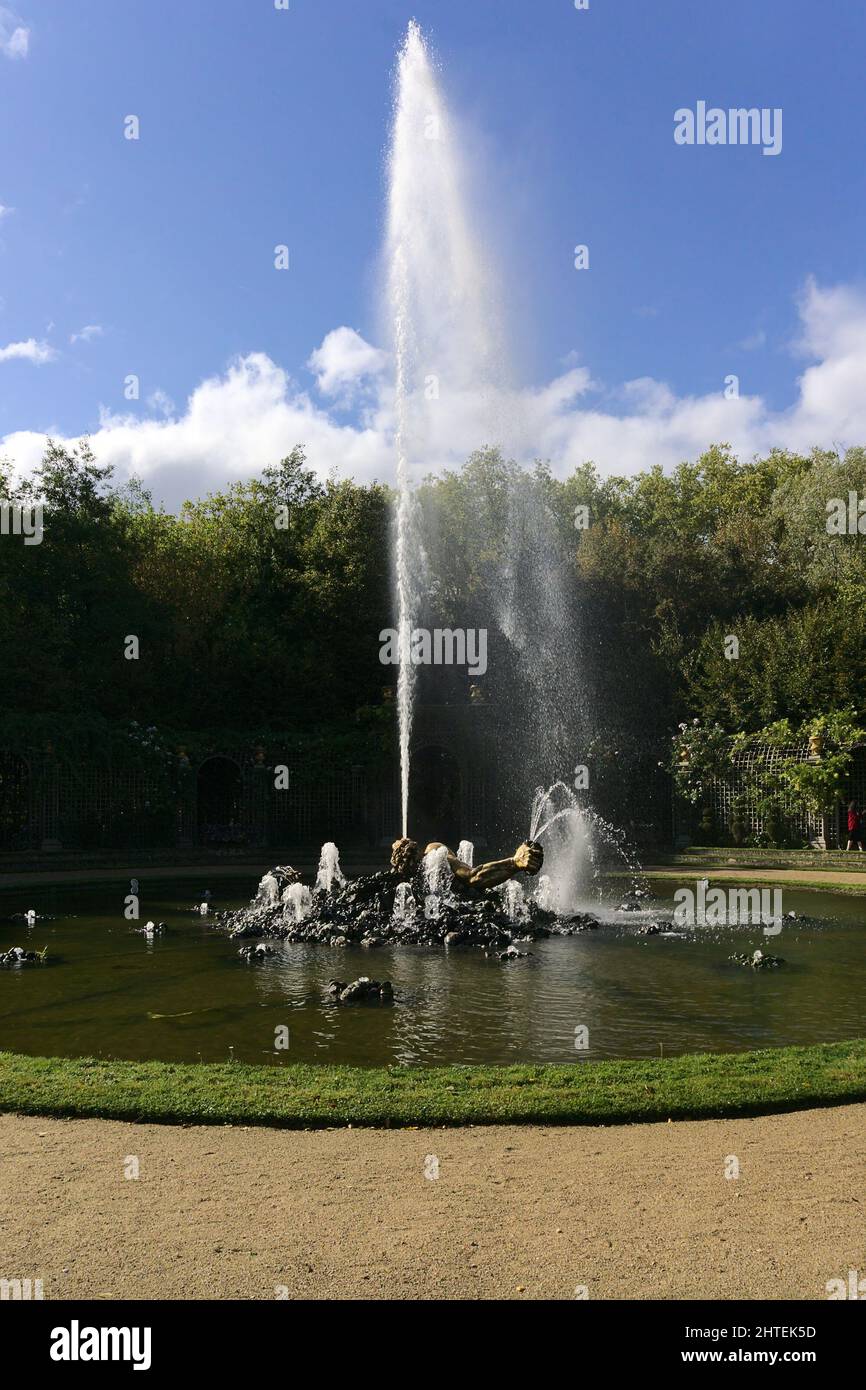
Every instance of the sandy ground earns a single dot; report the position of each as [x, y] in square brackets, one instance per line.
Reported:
[641, 1211]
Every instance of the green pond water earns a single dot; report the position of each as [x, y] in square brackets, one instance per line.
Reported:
[187, 996]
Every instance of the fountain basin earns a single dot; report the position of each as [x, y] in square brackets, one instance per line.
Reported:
[188, 996]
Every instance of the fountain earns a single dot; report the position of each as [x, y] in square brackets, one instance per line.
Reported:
[466, 852]
[575, 840]
[516, 907]
[268, 891]
[485, 905]
[329, 871]
[405, 906]
[298, 900]
[444, 328]
[437, 878]
[442, 323]
[545, 897]
[559, 822]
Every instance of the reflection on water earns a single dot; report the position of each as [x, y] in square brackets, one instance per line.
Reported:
[187, 996]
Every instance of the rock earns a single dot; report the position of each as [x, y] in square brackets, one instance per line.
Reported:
[151, 929]
[648, 929]
[581, 921]
[257, 952]
[16, 955]
[510, 953]
[362, 913]
[758, 960]
[362, 989]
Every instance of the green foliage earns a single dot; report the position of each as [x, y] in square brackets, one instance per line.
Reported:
[701, 755]
[816, 784]
[260, 606]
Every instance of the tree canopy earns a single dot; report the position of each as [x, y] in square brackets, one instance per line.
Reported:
[262, 603]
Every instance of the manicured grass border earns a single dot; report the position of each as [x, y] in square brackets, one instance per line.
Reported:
[705, 1086]
[739, 874]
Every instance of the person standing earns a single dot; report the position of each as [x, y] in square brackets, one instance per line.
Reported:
[855, 827]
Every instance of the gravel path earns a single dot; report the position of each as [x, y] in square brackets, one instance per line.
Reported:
[640, 1211]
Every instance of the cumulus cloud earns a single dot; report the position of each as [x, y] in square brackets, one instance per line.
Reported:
[14, 36]
[232, 426]
[87, 333]
[28, 351]
[236, 423]
[344, 362]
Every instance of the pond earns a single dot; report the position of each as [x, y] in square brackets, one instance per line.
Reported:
[187, 996]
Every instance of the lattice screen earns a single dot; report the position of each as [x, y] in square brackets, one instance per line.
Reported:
[742, 784]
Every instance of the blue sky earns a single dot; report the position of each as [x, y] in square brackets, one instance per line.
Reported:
[261, 126]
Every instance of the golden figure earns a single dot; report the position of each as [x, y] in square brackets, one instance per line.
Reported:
[528, 858]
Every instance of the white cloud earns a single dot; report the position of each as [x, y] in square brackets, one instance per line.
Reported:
[28, 351]
[236, 423]
[5, 212]
[86, 334]
[232, 426]
[345, 362]
[14, 36]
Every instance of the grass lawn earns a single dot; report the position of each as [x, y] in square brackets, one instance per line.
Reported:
[298, 1096]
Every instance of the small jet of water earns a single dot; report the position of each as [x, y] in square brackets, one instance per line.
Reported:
[329, 872]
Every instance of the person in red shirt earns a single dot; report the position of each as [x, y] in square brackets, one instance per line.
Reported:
[855, 831]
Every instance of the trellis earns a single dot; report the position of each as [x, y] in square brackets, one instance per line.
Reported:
[321, 799]
[741, 786]
[49, 802]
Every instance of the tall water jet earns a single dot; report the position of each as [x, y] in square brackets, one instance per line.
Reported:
[442, 325]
